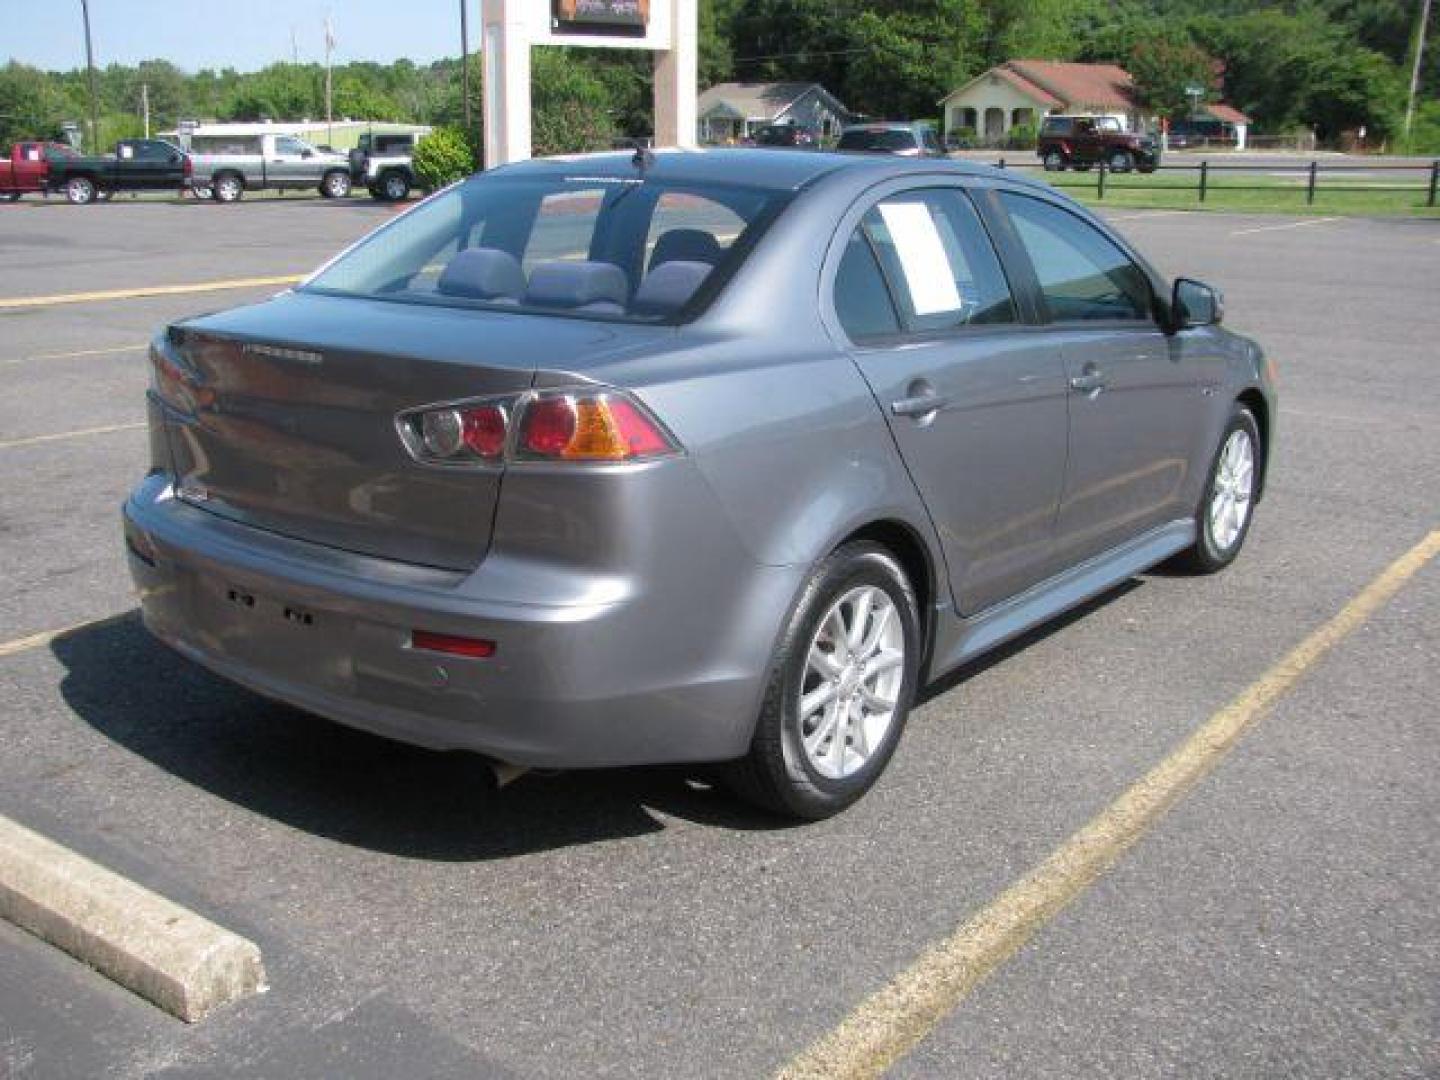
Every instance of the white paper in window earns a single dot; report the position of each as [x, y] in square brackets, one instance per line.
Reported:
[922, 257]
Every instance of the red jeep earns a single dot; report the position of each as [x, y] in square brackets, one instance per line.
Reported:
[1082, 141]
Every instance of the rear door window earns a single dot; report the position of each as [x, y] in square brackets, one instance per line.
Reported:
[938, 261]
[1083, 274]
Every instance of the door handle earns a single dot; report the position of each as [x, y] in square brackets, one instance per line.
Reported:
[1091, 380]
[920, 405]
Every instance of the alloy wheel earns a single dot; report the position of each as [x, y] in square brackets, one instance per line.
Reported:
[854, 671]
[1232, 491]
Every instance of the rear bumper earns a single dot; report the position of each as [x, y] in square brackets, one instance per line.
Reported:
[621, 674]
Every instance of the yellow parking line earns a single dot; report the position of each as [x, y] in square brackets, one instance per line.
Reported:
[33, 440]
[148, 290]
[894, 1019]
[39, 641]
[113, 350]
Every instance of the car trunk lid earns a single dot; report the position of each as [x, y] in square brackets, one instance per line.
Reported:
[283, 416]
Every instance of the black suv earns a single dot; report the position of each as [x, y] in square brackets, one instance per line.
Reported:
[892, 137]
[1082, 141]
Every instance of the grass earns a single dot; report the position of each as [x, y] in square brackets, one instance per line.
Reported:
[1383, 194]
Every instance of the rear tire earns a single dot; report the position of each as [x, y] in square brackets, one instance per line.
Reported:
[394, 186]
[1227, 505]
[227, 188]
[10, 196]
[840, 688]
[80, 190]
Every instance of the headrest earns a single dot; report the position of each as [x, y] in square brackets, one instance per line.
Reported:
[483, 274]
[571, 284]
[669, 287]
[686, 245]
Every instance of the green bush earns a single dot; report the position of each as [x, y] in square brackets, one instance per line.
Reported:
[442, 157]
[1022, 137]
[962, 138]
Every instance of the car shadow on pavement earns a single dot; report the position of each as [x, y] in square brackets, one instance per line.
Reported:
[350, 786]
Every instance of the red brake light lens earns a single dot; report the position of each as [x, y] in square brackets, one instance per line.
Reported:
[548, 427]
[475, 648]
[484, 430]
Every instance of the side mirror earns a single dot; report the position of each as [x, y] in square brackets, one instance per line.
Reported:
[1196, 304]
[307, 153]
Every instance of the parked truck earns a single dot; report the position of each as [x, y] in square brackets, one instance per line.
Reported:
[384, 163]
[25, 167]
[136, 165]
[227, 166]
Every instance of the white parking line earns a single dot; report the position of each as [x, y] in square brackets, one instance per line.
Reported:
[112, 351]
[1288, 225]
[1150, 214]
[33, 440]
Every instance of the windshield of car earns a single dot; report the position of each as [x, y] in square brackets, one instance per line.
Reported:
[601, 247]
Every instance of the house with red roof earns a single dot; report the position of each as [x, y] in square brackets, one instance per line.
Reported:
[1023, 92]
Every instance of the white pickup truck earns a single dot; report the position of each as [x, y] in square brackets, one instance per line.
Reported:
[227, 166]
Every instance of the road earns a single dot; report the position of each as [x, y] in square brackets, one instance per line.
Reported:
[1281, 919]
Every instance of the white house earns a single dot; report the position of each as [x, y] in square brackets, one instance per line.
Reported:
[729, 112]
[1022, 92]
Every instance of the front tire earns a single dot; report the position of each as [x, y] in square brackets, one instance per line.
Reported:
[1222, 521]
[1120, 161]
[1054, 161]
[840, 688]
[80, 190]
[335, 184]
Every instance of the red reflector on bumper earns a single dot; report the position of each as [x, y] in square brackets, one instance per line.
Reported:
[450, 643]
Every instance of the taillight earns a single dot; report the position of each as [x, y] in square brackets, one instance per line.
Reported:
[189, 166]
[579, 425]
[590, 426]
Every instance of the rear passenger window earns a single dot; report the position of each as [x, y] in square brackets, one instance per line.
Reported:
[861, 299]
[1084, 275]
[564, 226]
[938, 260]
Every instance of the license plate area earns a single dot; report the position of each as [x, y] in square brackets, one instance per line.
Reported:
[276, 634]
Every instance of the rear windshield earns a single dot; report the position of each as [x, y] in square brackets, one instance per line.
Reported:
[589, 246]
[887, 139]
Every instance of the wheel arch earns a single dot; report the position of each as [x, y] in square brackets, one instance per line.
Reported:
[908, 546]
[1254, 401]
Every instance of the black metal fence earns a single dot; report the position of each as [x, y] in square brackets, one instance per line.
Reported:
[1209, 175]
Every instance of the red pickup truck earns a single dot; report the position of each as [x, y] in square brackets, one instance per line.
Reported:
[26, 167]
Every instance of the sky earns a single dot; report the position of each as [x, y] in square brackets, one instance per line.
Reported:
[243, 34]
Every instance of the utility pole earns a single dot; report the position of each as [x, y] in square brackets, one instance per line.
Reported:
[90, 67]
[294, 47]
[465, 63]
[329, 114]
[1415, 68]
[145, 106]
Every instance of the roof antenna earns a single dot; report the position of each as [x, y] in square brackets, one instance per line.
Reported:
[643, 158]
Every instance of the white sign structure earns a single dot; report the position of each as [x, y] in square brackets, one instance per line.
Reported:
[511, 27]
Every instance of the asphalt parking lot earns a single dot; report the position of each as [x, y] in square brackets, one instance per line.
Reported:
[1281, 919]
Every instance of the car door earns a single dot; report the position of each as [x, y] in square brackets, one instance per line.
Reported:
[976, 409]
[1085, 143]
[287, 164]
[1135, 394]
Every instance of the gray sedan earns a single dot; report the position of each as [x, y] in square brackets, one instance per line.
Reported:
[696, 457]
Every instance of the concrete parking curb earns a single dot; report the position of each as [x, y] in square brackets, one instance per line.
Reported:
[167, 954]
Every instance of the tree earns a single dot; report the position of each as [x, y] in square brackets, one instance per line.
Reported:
[1165, 69]
[571, 107]
[32, 105]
